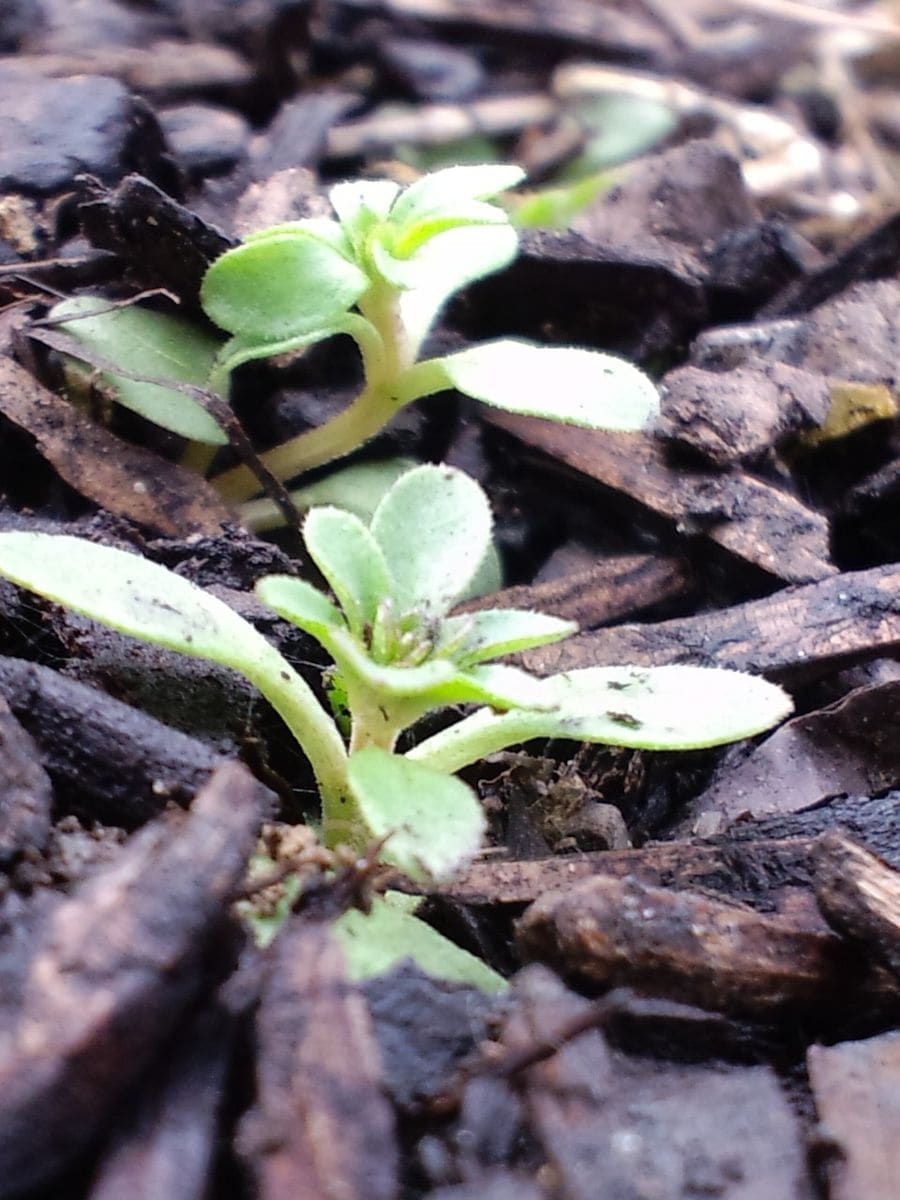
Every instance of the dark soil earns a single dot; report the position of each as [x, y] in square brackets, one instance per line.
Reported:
[704, 948]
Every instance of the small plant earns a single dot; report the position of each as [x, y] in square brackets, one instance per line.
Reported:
[399, 653]
[381, 273]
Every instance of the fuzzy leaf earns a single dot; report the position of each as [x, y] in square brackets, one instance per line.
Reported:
[496, 684]
[322, 229]
[280, 287]
[376, 941]
[580, 387]
[359, 203]
[433, 527]
[351, 560]
[430, 678]
[303, 605]
[494, 632]
[434, 820]
[444, 189]
[446, 264]
[156, 345]
[130, 594]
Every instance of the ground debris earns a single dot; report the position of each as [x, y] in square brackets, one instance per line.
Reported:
[860, 896]
[613, 1125]
[112, 971]
[687, 946]
[750, 518]
[112, 762]
[165, 1144]
[26, 794]
[854, 1085]
[321, 1125]
[794, 634]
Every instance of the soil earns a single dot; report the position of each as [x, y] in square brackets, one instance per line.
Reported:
[704, 949]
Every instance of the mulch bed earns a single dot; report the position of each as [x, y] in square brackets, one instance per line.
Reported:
[704, 948]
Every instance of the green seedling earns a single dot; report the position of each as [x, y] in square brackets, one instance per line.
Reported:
[380, 273]
[399, 653]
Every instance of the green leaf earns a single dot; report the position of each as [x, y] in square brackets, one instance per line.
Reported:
[360, 203]
[130, 594]
[426, 680]
[433, 527]
[579, 387]
[498, 685]
[303, 605]
[435, 822]
[348, 556]
[415, 234]
[498, 631]
[443, 189]
[322, 229]
[280, 287]
[153, 344]
[446, 264]
[373, 943]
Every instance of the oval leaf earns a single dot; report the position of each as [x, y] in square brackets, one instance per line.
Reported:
[448, 187]
[434, 821]
[132, 595]
[303, 605]
[579, 387]
[155, 345]
[376, 941]
[348, 556]
[433, 527]
[280, 287]
[489, 634]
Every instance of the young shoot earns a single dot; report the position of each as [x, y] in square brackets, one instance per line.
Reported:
[380, 272]
[399, 653]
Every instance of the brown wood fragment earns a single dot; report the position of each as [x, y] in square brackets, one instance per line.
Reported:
[26, 795]
[113, 762]
[798, 633]
[860, 896]
[165, 1146]
[751, 519]
[687, 946]
[855, 1087]
[611, 589]
[113, 970]
[611, 1125]
[322, 1126]
[134, 483]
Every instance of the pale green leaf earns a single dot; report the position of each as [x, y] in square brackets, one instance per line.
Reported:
[493, 632]
[130, 594]
[423, 681]
[496, 684]
[154, 345]
[433, 527]
[446, 264]
[434, 821]
[416, 233]
[322, 229]
[651, 708]
[348, 556]
[280, 287]
[579, 387]
[452, 185]
[360, 203]
[303, 605]
[373, 943]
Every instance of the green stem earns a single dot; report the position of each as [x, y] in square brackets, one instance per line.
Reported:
[316, 734]
[366, 416]
[473, 738]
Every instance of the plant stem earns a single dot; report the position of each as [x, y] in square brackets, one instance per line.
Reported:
[482, 733]
[316, 734]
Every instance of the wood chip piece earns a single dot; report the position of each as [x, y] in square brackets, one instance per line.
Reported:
[616, 1126]
[856, 1087]
[749, 518]
[113, 970]
[689, 947]
[26, 794]
[122, 478]
[860, 896]
[322, 1126]
[797, 633]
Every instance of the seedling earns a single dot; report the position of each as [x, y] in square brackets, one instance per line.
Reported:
[398, 654]
[380, 273]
